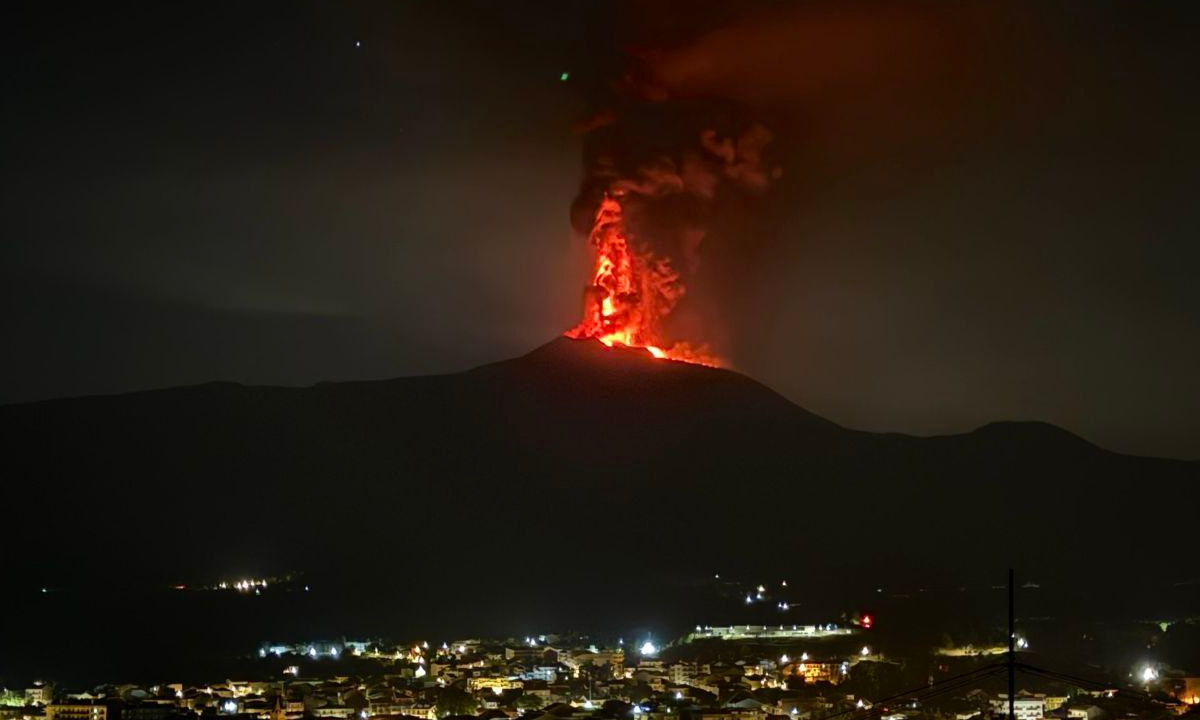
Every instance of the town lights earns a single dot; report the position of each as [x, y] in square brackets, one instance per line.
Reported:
[1149, 674]
[784, 659]
[865, 651]
[678, 695]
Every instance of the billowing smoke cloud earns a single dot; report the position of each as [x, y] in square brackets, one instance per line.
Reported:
[656, 171]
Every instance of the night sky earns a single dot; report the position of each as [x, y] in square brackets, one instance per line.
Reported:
[986, 210]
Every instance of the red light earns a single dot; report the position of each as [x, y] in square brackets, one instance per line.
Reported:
[866, 622]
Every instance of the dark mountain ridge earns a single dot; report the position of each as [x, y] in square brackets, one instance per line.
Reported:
[576, 486]
[200, 481]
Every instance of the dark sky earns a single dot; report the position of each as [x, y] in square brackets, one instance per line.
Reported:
[987, 210]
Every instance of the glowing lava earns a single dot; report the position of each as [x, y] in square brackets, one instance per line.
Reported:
[632, 290]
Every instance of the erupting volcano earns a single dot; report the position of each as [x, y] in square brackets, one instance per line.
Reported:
[632, 290]
[656, 176]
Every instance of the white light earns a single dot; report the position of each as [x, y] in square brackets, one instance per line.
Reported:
[859, 704]
[761, 589]
[363, 713]
[784, 659]
[462, 649]
[648, 648]
[678, 695]
[784, 583]
[804, 656]
[865, 651]
[749, 600]
[229, 706]
[312, 652]
[1149, 674]
[497, 690]
[587, 705]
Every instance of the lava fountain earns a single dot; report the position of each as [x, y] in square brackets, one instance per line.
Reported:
[632, 291]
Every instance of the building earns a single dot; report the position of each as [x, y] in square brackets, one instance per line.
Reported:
[545, 673]
[813, 672]
[81, 711]
[767, 632]
[495, 684]
[1026, 706]
[40, 694]
[1184, 689]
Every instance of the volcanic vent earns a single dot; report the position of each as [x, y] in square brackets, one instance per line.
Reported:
[651, 187]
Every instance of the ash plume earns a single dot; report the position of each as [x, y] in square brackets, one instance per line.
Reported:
[655, 174]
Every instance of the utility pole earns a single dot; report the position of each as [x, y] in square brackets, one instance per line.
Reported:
[1012, 649]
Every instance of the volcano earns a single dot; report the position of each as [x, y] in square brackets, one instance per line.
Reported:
[559, 464]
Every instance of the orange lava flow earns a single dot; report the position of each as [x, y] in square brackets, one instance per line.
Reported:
[632, 290]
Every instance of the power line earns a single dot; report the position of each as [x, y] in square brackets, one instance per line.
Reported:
[931, 690]
[1084, 682]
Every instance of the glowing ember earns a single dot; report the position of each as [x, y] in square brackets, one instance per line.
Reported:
[632, 290]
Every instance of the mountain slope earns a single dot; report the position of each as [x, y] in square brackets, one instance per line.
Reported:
[198, 481]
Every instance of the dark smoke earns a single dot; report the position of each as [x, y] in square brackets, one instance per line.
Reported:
[677, 167]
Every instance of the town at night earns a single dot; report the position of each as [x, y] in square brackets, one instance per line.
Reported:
[579, 360]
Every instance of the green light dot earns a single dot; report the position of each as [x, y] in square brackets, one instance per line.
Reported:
[564, 77]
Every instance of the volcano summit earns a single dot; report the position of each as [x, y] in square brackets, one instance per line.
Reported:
[572, 435]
